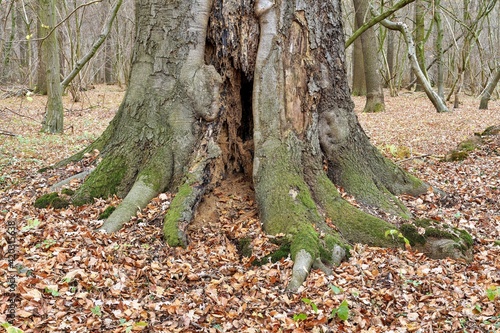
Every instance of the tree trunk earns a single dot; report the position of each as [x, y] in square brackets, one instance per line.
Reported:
[490, 87]
[358, 68]
[438, 103]
[420, 39]
[53, 122]
[439, 49]
[41, 85]
[374, 92]
[260, 88]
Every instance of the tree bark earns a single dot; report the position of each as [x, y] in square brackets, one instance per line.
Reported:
[439, 49]
[488, 90]
[420, 39]
[358, 67]
[374, 92]
[254, 87]
[41, 85]
[54, 113]
[438, 103]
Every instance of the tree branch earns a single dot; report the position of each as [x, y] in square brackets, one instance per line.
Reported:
[65, 19]
[104, 34]
[434, 98]
[376, 20]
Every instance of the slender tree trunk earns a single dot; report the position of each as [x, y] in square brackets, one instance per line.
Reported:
[358, 68]
[438, 103]
[439, 48]
[255, 87]
[490, 87]
[53, 122]
[374, 92]
[41, 85]
[420, 38]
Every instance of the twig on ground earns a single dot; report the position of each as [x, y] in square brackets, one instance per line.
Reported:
[2, 132]
[414, 157]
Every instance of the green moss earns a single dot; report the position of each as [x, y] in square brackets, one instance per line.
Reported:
[107, 212]
[354, 225]
[51, 199]
[59, 203]
[410, 232]
[45, 200]
[497, 242]
[284, 198]
[492, 130]
[374, 108]
[67, 191]
[154, 172]
[306, 239]
[103, 182]
[423, 223]
[171, 231]
[436, 230]
[470, 144]
[281, 253]
[455, 156]
[244, 247]
[466, 237]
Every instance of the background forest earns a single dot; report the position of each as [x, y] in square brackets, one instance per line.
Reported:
[68, 278]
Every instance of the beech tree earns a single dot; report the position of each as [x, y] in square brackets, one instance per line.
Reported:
[260, 87]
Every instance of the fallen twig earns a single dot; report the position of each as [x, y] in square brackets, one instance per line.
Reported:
[8, 133]
[414, 157]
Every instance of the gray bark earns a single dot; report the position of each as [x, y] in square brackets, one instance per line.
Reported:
[374, 92]
[490, 87]
[174, 130]
[433, 97]
[54, 113]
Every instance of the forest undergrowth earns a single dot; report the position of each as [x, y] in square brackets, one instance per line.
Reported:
[68, 277]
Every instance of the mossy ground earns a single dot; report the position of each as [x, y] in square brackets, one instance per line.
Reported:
[421, 230]
[51, 200]
[107, 212]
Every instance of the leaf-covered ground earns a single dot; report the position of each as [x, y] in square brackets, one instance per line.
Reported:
[69, 278]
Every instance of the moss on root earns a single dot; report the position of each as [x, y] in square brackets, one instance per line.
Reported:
[456, 155]
[107, 212]
[420, 231]
[281, 253]
[354, 225]
[103, 182]
[492, 130]
[306, 239]
[171, 231]
[284, 198]
[51, 200]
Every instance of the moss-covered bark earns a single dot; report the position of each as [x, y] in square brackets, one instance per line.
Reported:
[168, 133]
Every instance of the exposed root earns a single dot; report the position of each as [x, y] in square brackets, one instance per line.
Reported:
[183, 207]
[301, 266]
[137, 198]
[66, 181]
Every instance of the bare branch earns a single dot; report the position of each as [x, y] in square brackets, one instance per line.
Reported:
[102, 37]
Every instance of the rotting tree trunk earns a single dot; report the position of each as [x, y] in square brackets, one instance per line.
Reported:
[254, 87]
[374, 93]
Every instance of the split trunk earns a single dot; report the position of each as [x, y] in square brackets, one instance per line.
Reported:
[257, 87]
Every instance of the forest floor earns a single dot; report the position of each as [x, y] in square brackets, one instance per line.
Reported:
[69, 278]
